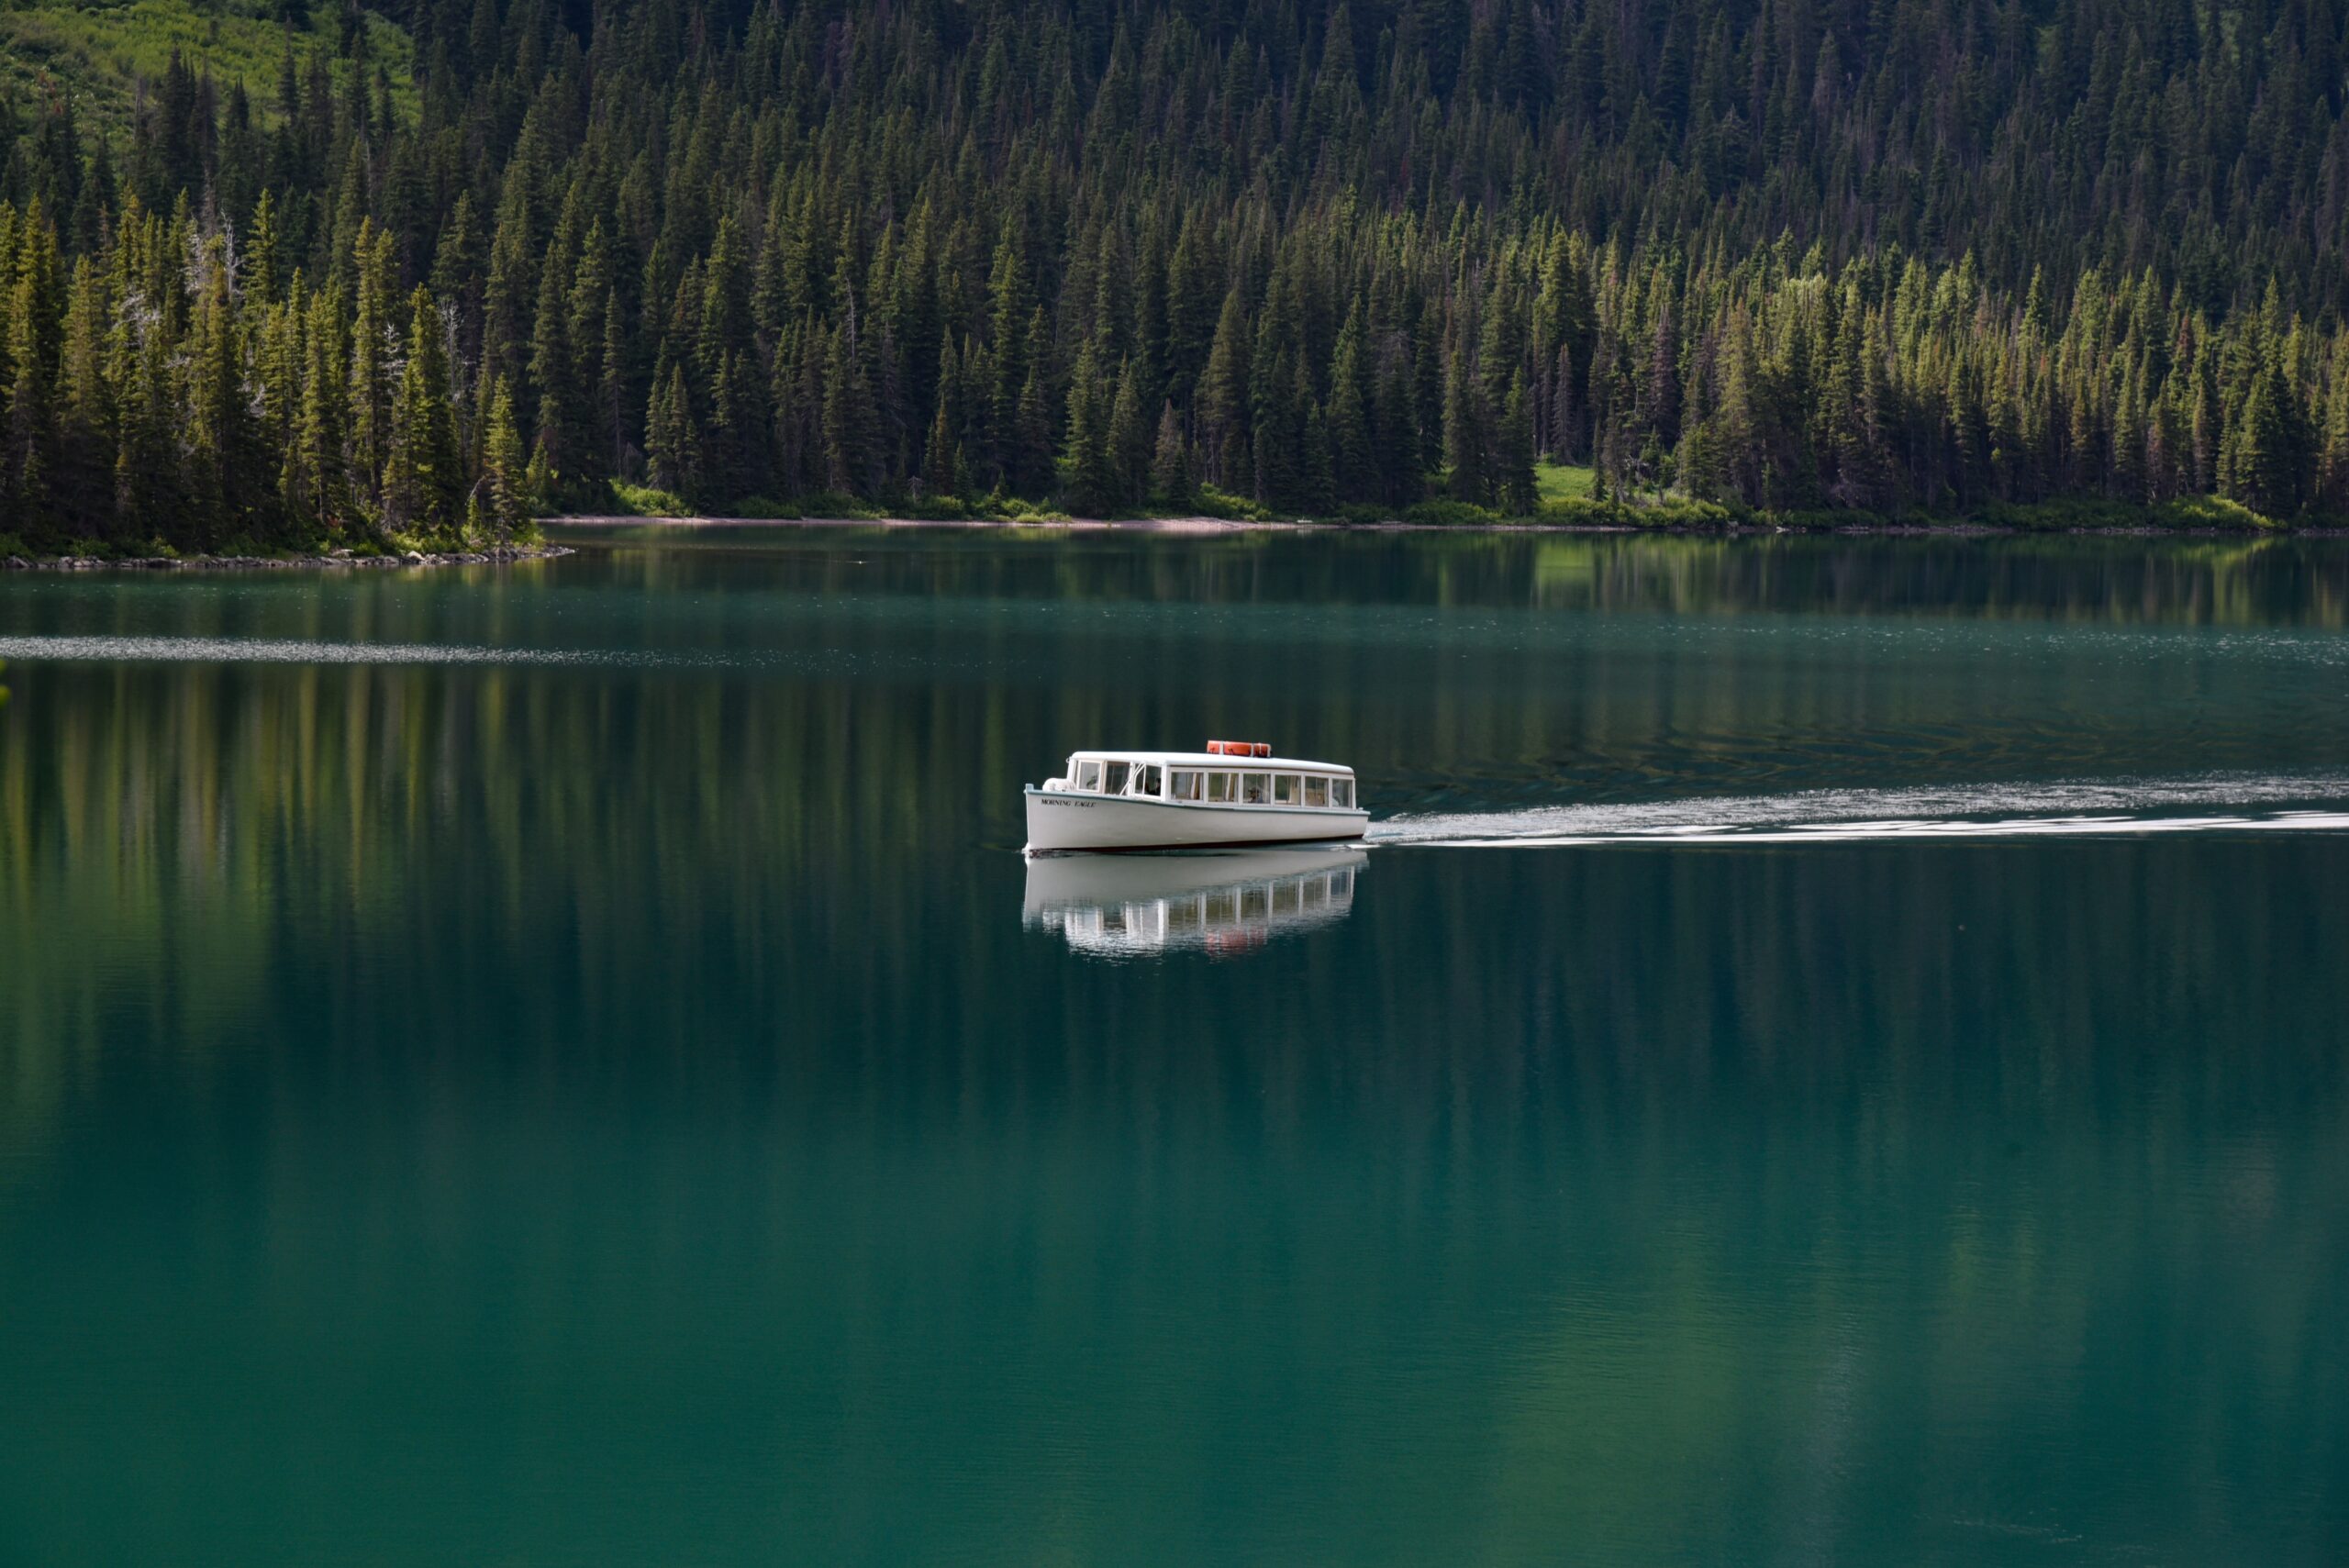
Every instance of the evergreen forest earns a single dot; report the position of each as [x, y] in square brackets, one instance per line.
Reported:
[1887, 259]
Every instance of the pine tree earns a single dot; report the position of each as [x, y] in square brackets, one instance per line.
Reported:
[1012, 304]
[1398, 444]
[942, 452]
[2332, 467]
[1353, 453]
[1091, 467]
[86, 408]
[502, 467]
[1513, 452]
[669, 444]
[1170, 463]
[314, 480]
[212, 394]
[260, 262]
[373, 365]
[561, 418]
[1280, 395]
[424, 480]
[1565, 428]
[1223, 397]
[1032, 464]
[2265, 472]
[33, 337]
[850, 424]
[1129, 437]
[612, 385]
[1467, 433]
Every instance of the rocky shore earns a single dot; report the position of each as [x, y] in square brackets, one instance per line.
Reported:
[339, 558]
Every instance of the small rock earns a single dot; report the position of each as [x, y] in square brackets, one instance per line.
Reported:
[18, 563]
[414, 558]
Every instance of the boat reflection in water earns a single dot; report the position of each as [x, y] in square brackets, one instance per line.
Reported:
[1218, 901]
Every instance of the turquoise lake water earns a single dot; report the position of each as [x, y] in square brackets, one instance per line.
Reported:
[1837, 1051]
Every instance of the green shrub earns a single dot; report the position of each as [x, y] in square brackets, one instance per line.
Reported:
[1210, 502]
[2210, 512]
[1446, 514]
[2197, 512]
[931, 509]
[1676, 512]
[643, 501]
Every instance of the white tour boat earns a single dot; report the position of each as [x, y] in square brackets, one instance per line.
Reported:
[1235, 793]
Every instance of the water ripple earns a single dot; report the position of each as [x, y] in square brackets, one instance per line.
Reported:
[277, 651]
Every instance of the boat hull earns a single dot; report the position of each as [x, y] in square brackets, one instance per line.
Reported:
[1067, 820]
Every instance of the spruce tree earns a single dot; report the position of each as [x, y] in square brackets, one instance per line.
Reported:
[850, 424]
[671, 448]
[33, 338]
[2332, 466]
[213, 394]
[1091, 468]
[1513, 452]
[1467, 433]
[373, 374]
[1129, 437]
[85, 406]
[424, 480]
[1353, 453]
[561, 418]
[1170, 462]
[1223, 397]
[2265, 475]
[501, 466]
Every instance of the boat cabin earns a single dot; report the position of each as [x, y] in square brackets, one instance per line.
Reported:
[1226, 774]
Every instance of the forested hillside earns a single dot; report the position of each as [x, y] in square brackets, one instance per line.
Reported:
[1892, 255]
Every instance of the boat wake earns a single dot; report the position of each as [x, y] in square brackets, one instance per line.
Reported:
[2081, 808]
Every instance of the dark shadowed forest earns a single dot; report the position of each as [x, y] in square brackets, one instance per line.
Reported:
[1870, 257]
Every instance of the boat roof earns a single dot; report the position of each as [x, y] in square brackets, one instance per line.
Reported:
[1209, 760]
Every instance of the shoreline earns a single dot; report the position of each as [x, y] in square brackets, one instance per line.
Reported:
[500, 555]
[1209, 526]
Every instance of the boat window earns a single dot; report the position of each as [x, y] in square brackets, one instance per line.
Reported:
[1088, 775]
[1285, 789]
[1153, 781]
[1219, 786]
[1341, 793]
[1113, 777]
[1316, 790]
[1255, 790]
[1186, 785]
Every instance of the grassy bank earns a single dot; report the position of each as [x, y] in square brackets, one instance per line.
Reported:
[1567, 501]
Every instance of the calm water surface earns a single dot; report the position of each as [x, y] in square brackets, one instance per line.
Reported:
[1838, 1055]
